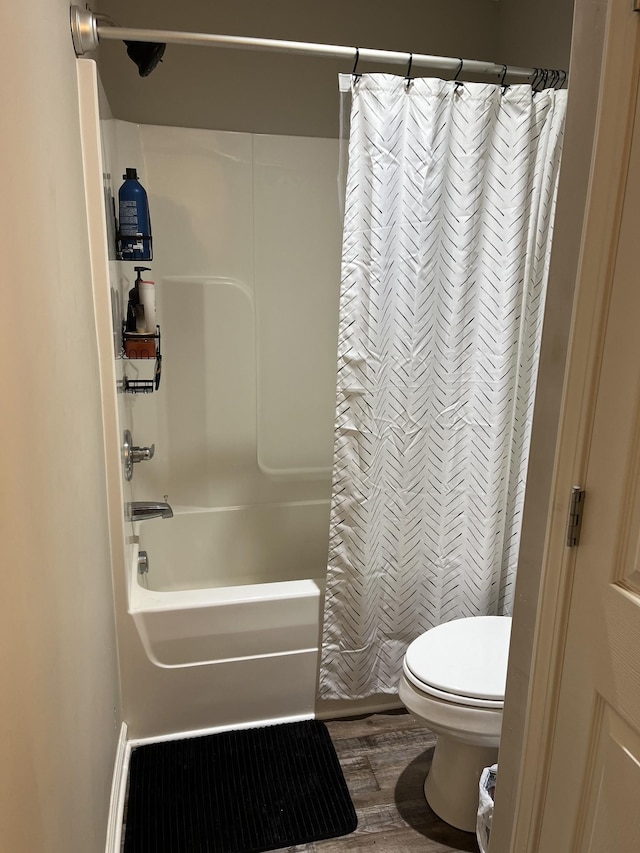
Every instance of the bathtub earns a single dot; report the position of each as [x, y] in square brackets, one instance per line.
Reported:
[231, 584]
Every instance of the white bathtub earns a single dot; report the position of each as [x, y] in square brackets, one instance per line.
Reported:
[231, 585]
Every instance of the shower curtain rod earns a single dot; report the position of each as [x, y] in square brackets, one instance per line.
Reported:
[88, 28]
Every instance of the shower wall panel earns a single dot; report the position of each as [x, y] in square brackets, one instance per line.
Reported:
[296, 253]
[246, 263]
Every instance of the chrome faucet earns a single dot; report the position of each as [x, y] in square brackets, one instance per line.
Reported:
[142, 510]
[131, 454]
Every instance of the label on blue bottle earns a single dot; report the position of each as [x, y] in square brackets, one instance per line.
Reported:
[128, 218]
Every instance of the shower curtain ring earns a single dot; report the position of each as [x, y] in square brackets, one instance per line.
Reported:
[355, 65]
[459, 71]
[408, 75]
[505, 68]
[534, 82]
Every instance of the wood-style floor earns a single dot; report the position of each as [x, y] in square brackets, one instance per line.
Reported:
[385, 759]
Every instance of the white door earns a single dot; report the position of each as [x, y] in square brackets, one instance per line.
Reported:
[589, 790]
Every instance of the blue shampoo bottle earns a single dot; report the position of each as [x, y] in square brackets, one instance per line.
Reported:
[134, 234]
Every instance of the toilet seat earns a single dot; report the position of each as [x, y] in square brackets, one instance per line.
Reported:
[463, 661]
[453, 698]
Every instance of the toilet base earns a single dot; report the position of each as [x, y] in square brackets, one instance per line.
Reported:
[451, 787]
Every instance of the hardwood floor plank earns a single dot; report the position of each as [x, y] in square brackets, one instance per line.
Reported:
[385, 759]
[353, 727]
[362, 779]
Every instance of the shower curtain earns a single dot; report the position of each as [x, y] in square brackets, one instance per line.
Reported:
[448, 218]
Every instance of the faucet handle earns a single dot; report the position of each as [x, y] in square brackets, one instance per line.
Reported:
[140, 454]
[131, 454]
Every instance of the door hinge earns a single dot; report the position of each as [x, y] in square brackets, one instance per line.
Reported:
[576, 511]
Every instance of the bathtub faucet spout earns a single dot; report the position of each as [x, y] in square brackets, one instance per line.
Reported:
[142, 510]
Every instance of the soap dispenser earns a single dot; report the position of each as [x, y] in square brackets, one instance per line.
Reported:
[140, 327]
[135, 311]
[147, 297]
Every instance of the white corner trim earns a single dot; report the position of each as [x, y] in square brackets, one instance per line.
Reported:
[118, 793]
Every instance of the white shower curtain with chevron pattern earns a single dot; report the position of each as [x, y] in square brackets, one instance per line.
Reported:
[449, 209]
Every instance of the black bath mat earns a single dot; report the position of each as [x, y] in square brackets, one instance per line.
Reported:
[237, 792]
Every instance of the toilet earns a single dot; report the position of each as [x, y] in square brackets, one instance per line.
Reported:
[453, 681]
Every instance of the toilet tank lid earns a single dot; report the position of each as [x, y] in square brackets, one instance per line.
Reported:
[465, 657]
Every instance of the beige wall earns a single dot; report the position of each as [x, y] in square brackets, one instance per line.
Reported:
[270, 93]
[535, 33]
[60, 709]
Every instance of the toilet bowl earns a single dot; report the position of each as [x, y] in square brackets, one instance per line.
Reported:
[453, 681]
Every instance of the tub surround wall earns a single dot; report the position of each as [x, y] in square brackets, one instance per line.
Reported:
[246, 264]
[237, 546]
[247, 255]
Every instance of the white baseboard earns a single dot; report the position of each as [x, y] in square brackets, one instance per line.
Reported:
[332, 709]
[118, 793]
